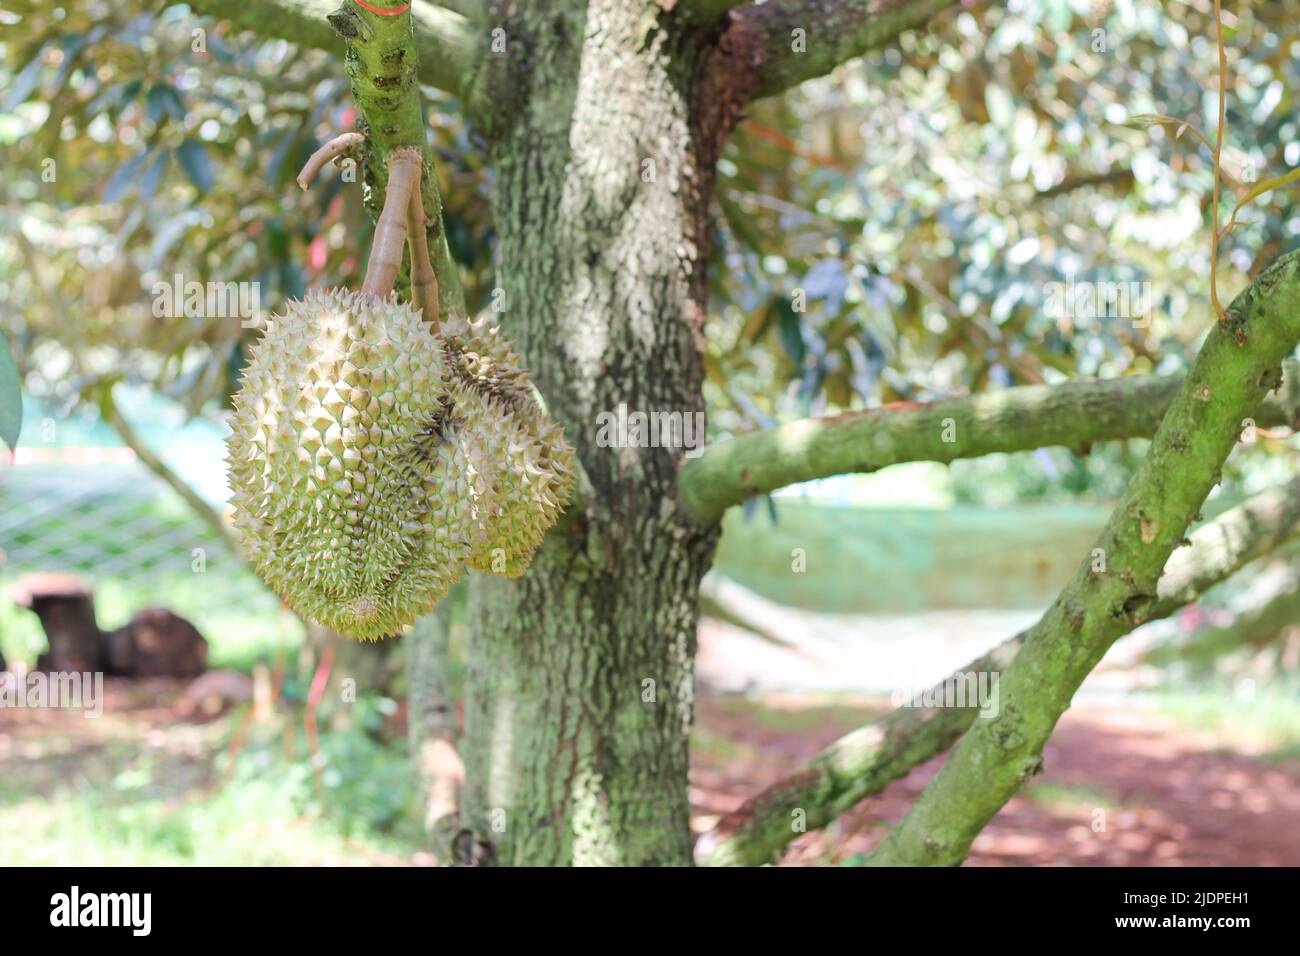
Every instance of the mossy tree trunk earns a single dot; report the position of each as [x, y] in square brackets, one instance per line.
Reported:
[579, 700]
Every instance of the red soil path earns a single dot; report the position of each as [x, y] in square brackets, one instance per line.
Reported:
[1169, 798]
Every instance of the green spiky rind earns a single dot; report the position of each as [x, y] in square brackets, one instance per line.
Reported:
[479, 357]
[530, 479]
[329, 453]
[371, 460]
[533, 480]
[531, 464]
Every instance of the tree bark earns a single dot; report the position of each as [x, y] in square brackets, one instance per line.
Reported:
[579, 696]
[431, 730]
[66, 608]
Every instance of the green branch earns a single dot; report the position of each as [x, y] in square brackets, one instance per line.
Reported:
[1023, 418]
[789, 41]
[109, 412]
[386, 58]
[450, 46]
[868, 759]
[1253, 630]
[382, 62]
[1238, 365]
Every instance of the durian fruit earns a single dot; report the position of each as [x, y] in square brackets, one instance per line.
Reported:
[373, 457]
[529, 459]
[526, 461]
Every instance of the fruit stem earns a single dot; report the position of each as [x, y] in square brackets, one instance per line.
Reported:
[338, 146]
[382, 64]
[404, 166]
[424, 282]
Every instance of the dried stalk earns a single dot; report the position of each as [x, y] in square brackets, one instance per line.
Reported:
[404, 167]
[340, 145]
[424, 282]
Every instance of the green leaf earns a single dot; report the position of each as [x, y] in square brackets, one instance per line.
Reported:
[11, 397]
[790, 330]
[194, 160]
[153, 175]
[1266, 186]
[123, 179]
[163, 100]
[24, 84]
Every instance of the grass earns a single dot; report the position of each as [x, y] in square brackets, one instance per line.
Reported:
[130, 789]
[1263, 721]
[1058, 796]
[260, 823]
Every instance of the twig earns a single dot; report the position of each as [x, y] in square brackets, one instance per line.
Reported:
[424, 282]
[150, 459]
[390, 231]
[340, 145]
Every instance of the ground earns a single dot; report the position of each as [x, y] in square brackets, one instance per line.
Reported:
[142, 784]
[1171, 795]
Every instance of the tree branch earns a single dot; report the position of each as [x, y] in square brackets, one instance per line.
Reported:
[1022, 418]
[439, 772]
[868, 759]
[1238, 365]
[450, 46]
[1254, 630]
[383, 59]
[782, 43]
[131, 438]
[382, 62]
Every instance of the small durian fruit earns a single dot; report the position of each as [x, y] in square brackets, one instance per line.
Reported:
[481, 358]
[348, 501]
[529, 471]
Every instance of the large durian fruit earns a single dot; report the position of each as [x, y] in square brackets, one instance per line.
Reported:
[373, 458]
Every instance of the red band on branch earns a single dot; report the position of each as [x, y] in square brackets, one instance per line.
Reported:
[381, 11]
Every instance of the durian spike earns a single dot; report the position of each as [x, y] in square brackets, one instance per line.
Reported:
[390, 231]
[424, 284]
[338, 146]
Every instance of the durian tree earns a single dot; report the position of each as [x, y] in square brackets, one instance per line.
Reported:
[604, 124]
[605, 127]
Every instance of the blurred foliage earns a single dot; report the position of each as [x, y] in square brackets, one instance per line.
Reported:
[11, 397]
[1242, 713]
[145, 143]
[887, 233]
[921, 201]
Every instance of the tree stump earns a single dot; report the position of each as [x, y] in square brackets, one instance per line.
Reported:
[66, 607]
